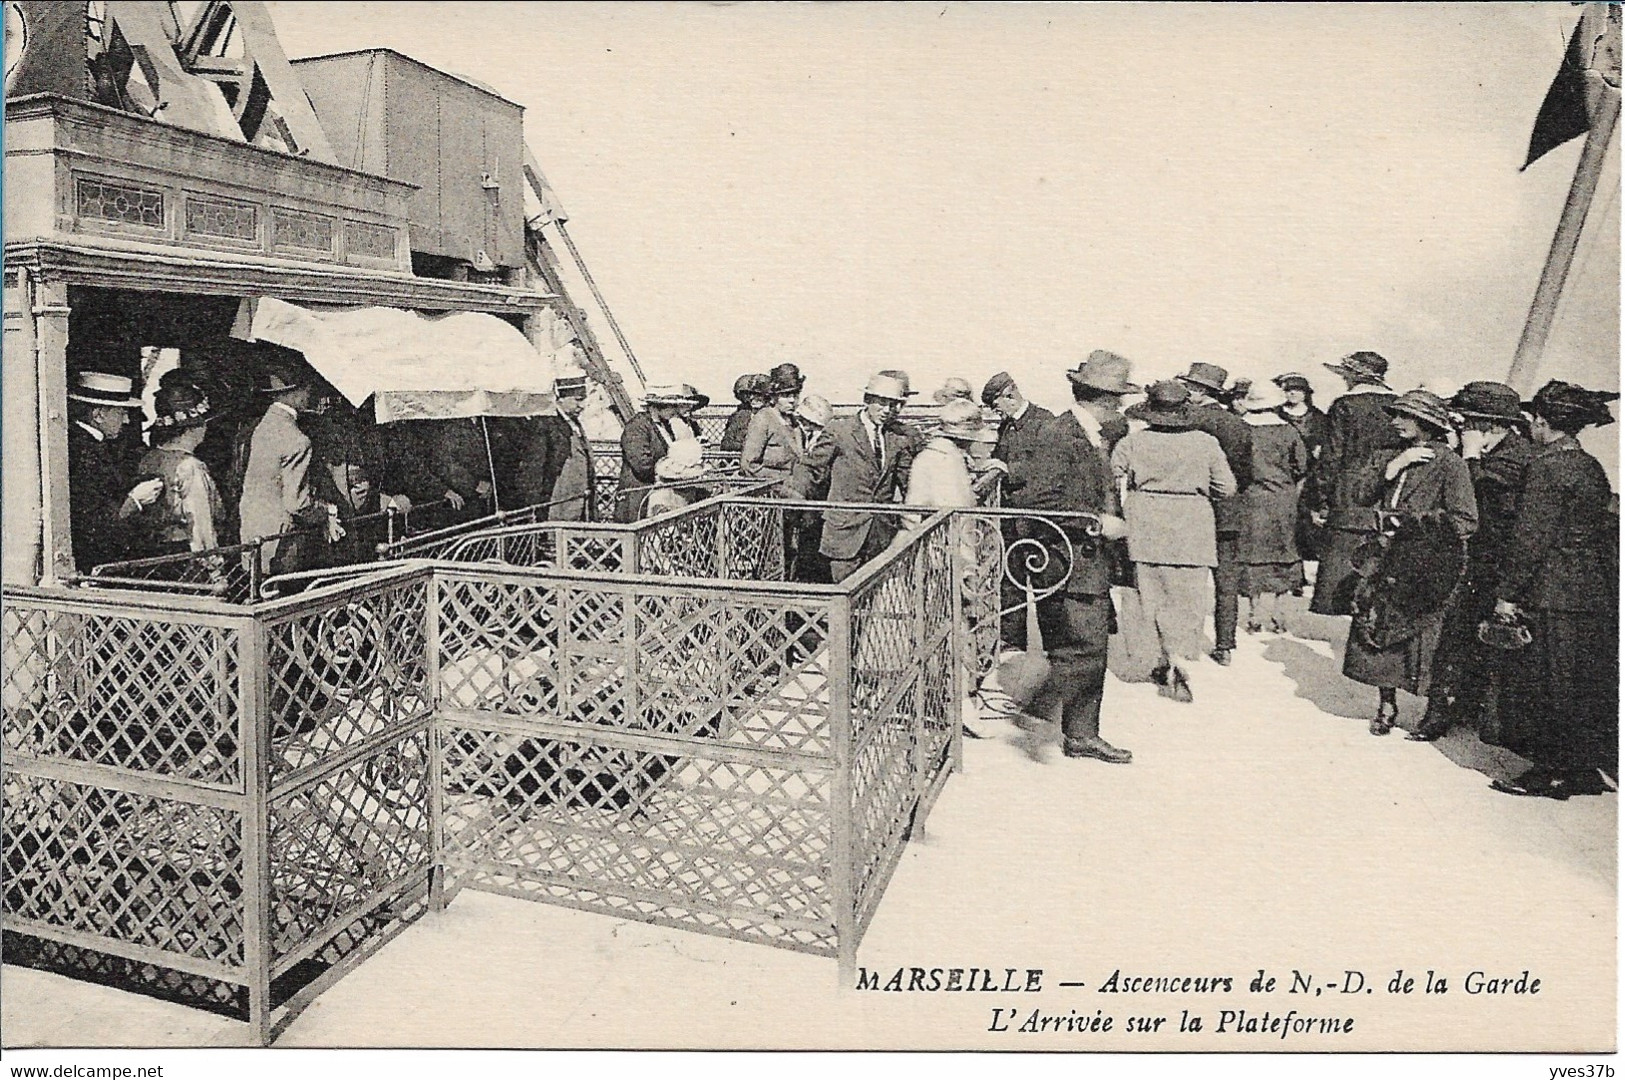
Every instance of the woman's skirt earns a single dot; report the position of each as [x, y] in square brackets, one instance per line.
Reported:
[1559, 696]
[1406, 666]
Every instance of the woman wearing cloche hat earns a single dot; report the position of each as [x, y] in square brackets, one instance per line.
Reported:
[1560, 698]
[1426, 510]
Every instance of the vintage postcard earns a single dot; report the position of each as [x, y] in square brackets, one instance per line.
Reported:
[1057, 527]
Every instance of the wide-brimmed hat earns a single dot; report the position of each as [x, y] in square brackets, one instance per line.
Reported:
[1423, 405]
[100, 388]
[1488, 401]
[891, 385]
[180, 405]
[1166, 405]
[1362, 367]
[995, 387]
[954, 389]
[1262, 397]
[962, 419]
[747, 386]
[1104, 371]
[675, 394]
[278, 380]
[685, 460]
[815, 410]
[787, 374]
[1293, 380]
[1568, 401]
[782, 383]
[1209, 377]
[570, 386]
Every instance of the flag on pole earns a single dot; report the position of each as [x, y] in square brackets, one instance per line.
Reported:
[1566, 113]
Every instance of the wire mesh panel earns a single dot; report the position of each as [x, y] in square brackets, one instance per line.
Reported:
[661, 751]
[227, 573]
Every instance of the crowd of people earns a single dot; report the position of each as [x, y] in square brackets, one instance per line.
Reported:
[1471, 542]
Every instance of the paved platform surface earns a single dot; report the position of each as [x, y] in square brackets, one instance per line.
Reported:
[1259, 828]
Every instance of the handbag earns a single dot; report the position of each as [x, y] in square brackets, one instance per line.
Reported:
[1508, 633]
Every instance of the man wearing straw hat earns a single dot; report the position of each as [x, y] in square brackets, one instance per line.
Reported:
[864, 459]
[276, 482]
[101, 497]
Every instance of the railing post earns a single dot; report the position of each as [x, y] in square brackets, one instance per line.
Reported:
[920, 660]
[843, 888]
[437, 762]
[254, 738]
[963, 639]
[722, 567]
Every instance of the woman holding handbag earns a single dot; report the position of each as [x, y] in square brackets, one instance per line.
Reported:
[1427, 510]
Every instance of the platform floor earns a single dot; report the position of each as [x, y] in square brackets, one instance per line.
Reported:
[1259, 828]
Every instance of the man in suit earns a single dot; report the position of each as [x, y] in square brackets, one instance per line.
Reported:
[1020, 442]
[1360, 439]
[1210, 413]
[277, 482]
[1071, 471]
[559, 463]
[646, 439]
[863, 458]
[102, 500]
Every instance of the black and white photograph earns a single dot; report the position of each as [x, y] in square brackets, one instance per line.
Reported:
[1008, 528]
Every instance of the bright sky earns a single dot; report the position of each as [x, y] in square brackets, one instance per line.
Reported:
[956, 189]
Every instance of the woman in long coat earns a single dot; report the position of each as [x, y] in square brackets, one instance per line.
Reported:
[1310, 422]
[773, 441]
[1560, 694]
[1271, 565]
[1170, 472]
[1424, 484]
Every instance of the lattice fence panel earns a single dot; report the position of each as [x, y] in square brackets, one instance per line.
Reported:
[346, 671]
[135, 693]
[132, 867]
[982, 547]
[681, 546]
[338, 841]
[753, 542]
[673, 836]
[140, 976]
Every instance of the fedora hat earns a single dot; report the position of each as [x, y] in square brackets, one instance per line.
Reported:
[1166, 405]
[1209, 377]
[278, 380]
[788, 374]
[1423, 405]
[1488, 401]
[1362, 367]
[1262, 397]
[100, 388]
[675, 394]
[1566, 401]
[180, 405]
[962, 419]
[815, 410]
[1104, 371]
[891, 385]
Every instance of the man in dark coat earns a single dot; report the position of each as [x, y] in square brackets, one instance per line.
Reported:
[1020, 442]
[1560, 696]
[1072, 472]
[645, 440]
[1209, 413]
[864, 459]
[556, 467]
[103, 498]
[1497, 453]
[1360, 440]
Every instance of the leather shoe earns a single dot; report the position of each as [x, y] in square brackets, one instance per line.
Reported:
[1099, 749]
[1179, 688]
[1535, 783]
[1221, 657]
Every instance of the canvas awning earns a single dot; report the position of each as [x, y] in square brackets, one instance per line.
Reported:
[416, 366]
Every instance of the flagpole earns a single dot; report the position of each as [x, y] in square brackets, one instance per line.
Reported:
[1566, 241]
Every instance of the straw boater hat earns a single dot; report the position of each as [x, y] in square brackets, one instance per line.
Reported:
[1263, 397]
[570, 386]
[996, 386]
[891, 385]
[1488, 401]
[1208, 377]
[1568, 401]
[1104, 371]
[178, 406]
[815, 410]
[962, 419]
[684, 461]
[954, 389]
[1363, 367]
[676, 394]
[1166, 405]
[100, 388]
[1422, 405]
